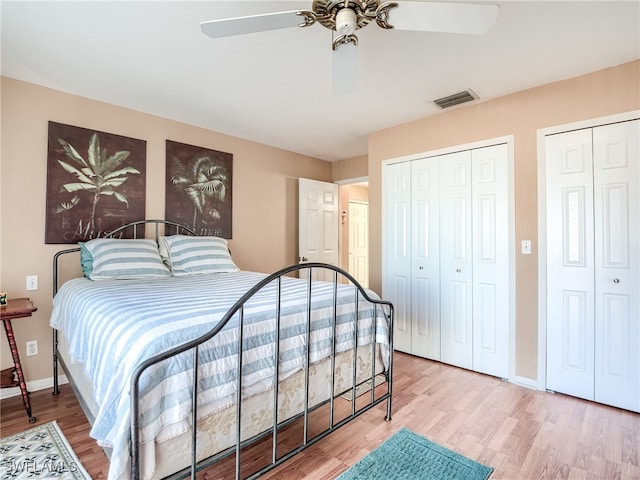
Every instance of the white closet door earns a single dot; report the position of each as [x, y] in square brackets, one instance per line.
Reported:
[490, 260]
[570, 264]
[617, 264]
[456, 259]
[593, 264]
[425, 278]
[397, 234]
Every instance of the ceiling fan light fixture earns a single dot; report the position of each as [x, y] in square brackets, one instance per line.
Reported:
[346, 21]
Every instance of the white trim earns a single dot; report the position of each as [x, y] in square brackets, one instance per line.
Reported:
[542, 261]
[593, 122]
[32, 386]
[525, 382]
[510, 141]
[542, 224]
[349, 181]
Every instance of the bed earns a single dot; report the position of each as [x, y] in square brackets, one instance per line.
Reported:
[163, 332]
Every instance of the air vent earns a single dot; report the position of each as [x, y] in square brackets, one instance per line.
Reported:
[456, 99]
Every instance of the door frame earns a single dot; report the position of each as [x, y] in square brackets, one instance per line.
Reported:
[345, 182]
[541, 383]
[509, 141]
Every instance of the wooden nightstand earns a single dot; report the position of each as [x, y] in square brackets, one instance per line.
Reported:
[14, 377]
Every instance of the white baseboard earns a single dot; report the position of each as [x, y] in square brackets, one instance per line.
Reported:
[32, 386]
[525, 382]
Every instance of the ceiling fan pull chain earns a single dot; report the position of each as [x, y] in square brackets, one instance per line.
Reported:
[382, 15]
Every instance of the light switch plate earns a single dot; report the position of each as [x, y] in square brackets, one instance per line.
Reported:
[32, 282]
[526, 247]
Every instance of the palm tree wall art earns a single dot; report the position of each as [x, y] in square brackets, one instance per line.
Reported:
[199, 188]
[95, 183]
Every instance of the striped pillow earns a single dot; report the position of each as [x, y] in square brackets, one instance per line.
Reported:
[187, 255]
[125, 259]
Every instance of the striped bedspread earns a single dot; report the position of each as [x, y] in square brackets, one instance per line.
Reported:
[113, 325]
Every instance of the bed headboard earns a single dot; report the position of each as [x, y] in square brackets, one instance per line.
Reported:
[136, 229]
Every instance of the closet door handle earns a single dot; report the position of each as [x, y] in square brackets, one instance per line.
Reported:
[458, 270]
[421, 267]
[616, 280]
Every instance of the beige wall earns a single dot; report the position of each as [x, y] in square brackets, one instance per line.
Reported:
[264, 195]
[598, 94]
[265, 220]
[350, 169]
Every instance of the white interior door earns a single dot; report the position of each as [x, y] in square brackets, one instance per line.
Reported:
[490, 206]
[456, 300]
[570, 264]
[593, 263]
[359, 242]
[317, 222]
[425, 258]
[397, 249]
[616, 159]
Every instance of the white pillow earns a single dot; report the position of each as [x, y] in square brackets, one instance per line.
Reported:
[186, 255]
[125, 259]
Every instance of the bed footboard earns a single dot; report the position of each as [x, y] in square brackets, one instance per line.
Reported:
[381, 365]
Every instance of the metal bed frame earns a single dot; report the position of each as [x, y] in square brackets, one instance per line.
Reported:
[375, 396]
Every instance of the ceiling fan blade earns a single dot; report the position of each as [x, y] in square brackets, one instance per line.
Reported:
[344, 68]
[443, 17]
[254, 23]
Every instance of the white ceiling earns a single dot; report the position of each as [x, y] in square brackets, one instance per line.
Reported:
[275, 87]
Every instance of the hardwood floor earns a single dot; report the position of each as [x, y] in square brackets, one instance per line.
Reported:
[521, 433]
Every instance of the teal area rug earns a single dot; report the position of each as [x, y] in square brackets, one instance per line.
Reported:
[40, 452]
[407, 455]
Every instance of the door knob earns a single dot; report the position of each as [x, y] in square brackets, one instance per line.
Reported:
[458, 270]
[421, 267]
[303, 259]
[616, 280]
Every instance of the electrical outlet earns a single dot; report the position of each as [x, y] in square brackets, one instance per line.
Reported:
[32, 282]
[32, 348]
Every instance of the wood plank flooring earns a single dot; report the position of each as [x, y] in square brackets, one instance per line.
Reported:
[521, 433]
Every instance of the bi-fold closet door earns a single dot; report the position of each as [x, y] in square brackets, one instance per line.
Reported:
[593, 263]
[447, 257]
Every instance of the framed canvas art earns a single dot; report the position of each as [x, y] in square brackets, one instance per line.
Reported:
[95, 183]
[199, 189]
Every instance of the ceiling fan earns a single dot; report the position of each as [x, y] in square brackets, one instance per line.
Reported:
[344, 17]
